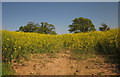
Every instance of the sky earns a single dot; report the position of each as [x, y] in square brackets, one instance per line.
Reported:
[60, 14]
[60, 0]
[119, 14]
[0, 16]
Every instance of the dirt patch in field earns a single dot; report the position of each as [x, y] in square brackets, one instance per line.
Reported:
[64, 64]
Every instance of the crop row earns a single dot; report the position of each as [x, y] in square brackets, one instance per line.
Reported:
[17, 44]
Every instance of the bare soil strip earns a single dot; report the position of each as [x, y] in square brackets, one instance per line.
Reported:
[64, 64]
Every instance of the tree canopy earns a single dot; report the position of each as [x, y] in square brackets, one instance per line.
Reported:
[81, 25]
[43, 28]
[104, 27]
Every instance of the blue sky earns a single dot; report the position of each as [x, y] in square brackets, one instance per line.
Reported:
[60, 0]
[0, 15]
[60, 14]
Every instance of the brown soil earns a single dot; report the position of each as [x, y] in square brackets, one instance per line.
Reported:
[64, 64]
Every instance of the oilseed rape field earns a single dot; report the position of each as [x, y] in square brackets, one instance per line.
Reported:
[17, 44]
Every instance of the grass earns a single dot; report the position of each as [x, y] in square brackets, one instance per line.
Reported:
[77, 55]
[7, 69]
[0, 69]
[100, 73]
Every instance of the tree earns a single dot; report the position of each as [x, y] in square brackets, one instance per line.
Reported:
[81, 25]
[30, 27]
[104, 27]
[43, 28]
[46, 28]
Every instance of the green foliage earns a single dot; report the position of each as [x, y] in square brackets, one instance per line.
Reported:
[81, 25]
[16, 44]
[44, 28]
[104, 27]
[7, 69]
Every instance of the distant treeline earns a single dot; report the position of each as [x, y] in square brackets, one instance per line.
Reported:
[78, 25]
